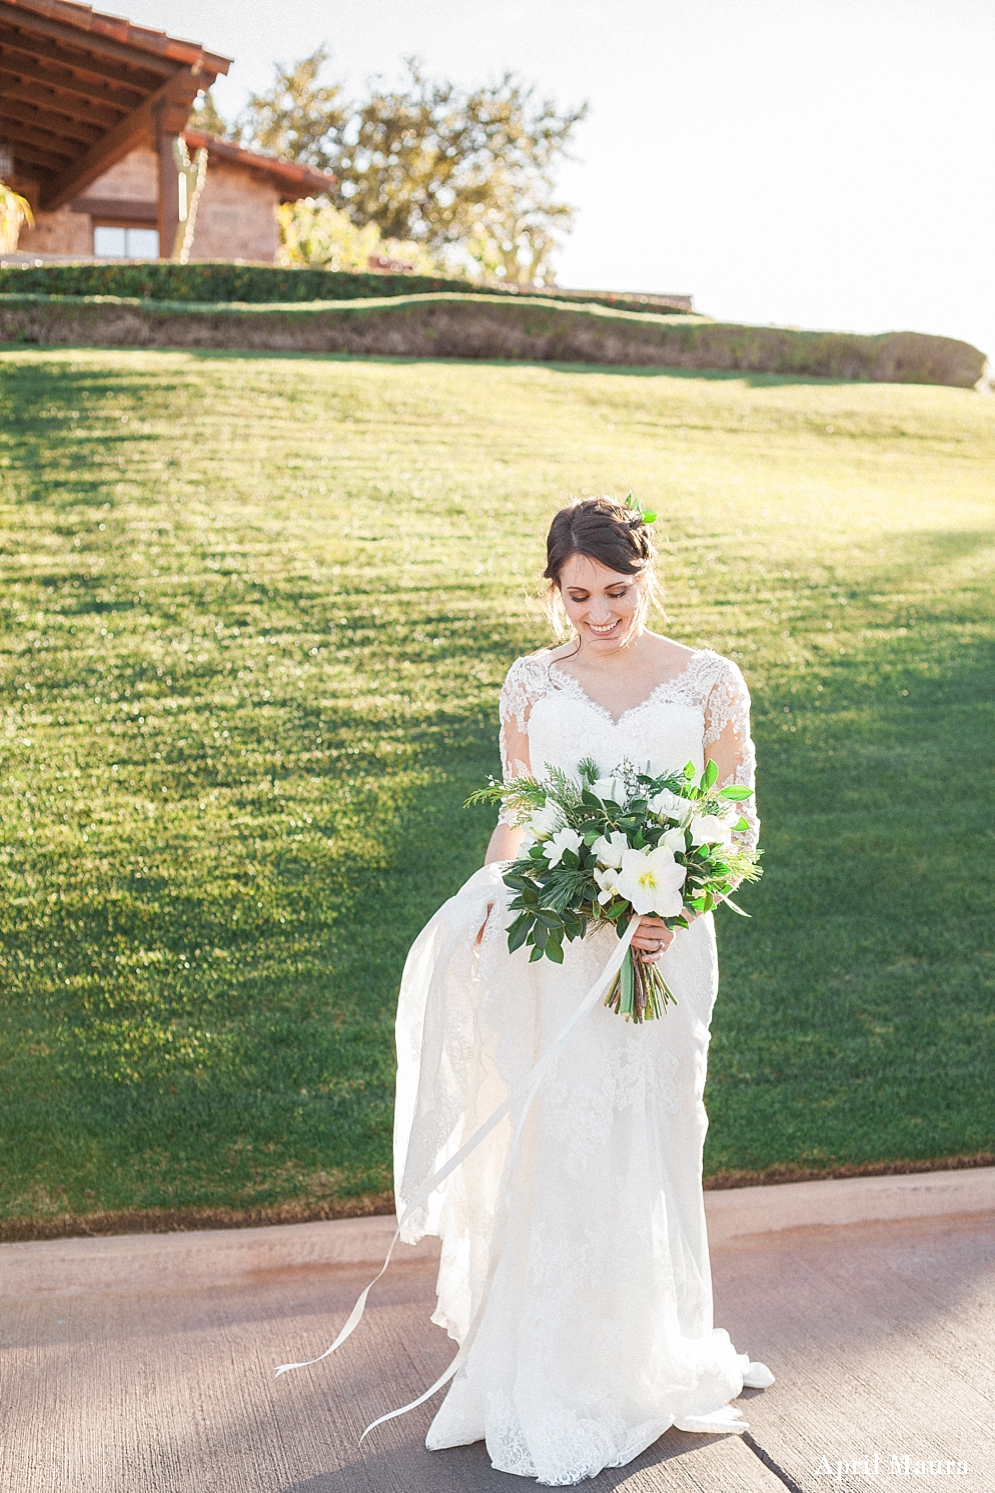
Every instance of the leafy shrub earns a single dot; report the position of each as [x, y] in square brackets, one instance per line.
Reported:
[322, 237]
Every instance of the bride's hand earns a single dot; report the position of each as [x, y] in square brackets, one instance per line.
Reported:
[652, 938]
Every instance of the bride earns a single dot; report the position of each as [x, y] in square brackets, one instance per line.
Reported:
[574, 1271]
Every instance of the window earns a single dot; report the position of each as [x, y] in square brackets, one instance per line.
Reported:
[126, 243]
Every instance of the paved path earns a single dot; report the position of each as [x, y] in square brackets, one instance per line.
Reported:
[881, 1336]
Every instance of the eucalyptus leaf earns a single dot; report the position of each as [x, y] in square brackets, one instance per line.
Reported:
[517, 934]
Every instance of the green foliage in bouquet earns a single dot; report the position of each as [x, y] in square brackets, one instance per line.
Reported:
[605, 849]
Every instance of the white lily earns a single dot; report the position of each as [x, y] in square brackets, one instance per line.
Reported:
[668, 805]
[564, 839]
[675, 840]
[610, 788]
[709, 829]
[652, 881]
[546, 821]
[608, 882]
[610, 851]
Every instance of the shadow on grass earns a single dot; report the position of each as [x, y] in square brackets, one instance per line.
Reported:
[854, 1021]
[712, 375]
[265, 1076]
[750, 377]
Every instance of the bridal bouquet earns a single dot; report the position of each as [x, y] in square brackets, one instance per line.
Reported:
[605, 849]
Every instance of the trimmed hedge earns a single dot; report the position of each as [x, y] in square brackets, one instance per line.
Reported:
[480, 326]
[257, 284]
[210, 282]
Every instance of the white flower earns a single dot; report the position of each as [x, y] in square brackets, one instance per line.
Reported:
[564, 839]
[652, 881]
[546, 820]
[675, 840]
[608, 882]
[709, 829]
[610, 851]
[613, 788]
[668, 805]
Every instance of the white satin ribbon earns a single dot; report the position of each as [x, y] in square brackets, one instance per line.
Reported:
[523, 1094]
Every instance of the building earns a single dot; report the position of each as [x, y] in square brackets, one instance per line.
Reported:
[91, 108]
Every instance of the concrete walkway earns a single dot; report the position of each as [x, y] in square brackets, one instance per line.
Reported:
[881, 1332]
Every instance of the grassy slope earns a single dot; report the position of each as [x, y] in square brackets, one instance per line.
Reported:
[255, 611]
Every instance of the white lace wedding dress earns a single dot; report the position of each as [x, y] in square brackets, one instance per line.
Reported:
[584, 1245]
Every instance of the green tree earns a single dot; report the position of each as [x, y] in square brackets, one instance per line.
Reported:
[316, 233]
[467, 175]
[300, 118]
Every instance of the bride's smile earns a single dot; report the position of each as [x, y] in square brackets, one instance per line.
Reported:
[605, 607]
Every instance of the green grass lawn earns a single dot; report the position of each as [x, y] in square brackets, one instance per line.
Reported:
[255, 614]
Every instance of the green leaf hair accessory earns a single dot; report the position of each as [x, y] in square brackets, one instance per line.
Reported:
[648, 515]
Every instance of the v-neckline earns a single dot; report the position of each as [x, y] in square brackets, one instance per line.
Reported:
[578, 689]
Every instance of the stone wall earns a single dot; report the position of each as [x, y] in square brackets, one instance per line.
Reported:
[136, 178]
[236, 218]
[62, 232]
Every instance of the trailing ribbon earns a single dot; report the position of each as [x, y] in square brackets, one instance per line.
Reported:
[523, 1094]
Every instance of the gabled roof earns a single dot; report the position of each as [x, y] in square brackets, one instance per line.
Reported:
[291, 179]
[79, 90]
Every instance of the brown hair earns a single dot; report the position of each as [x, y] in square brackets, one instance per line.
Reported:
[606, 530]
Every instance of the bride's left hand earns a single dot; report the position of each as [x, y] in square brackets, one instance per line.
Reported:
[652, 938]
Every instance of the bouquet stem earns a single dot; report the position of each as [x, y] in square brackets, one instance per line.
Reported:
[639, 992]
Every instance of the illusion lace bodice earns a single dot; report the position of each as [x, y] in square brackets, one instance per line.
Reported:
[701, 714]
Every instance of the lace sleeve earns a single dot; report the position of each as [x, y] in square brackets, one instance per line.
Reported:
[524, 683]
[728, 742]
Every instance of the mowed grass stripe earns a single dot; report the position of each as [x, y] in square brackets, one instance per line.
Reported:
[255, 613]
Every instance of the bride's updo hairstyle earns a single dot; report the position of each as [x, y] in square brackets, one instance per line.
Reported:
[606, 530]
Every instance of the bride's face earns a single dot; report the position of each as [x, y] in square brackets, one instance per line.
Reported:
[605, 606]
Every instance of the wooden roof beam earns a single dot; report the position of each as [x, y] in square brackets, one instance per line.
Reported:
[57, 103]
[79, 136]
[18, 126]
[173, 102]
[84, 65]
[32, 155]
[97, 91]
